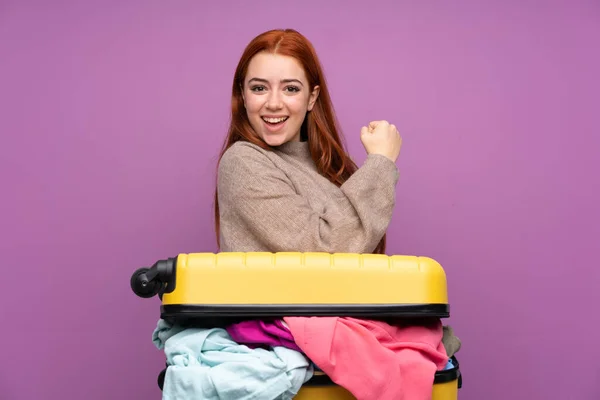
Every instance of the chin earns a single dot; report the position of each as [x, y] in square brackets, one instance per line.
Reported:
[275, 140]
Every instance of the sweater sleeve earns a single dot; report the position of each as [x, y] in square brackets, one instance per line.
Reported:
[261, 211]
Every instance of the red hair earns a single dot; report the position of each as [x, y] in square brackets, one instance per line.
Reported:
[320, 127]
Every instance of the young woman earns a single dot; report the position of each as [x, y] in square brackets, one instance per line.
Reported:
[285, 182]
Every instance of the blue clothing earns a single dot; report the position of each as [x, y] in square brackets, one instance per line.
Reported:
[450, 365]
[207, 364]
[163, 332]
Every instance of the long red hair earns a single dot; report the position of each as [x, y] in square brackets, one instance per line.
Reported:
[320, 127]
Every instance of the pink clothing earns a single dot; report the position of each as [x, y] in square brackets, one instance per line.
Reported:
[371, 359]
[255, 333]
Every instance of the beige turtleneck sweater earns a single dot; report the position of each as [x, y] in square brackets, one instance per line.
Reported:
[276, 201]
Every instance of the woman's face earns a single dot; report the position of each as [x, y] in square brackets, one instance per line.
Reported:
[277, 97]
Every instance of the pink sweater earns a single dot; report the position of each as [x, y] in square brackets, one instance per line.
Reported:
[371, 359]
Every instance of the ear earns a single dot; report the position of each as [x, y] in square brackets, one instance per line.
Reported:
[313, 97]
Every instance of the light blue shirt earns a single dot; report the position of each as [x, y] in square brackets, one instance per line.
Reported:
[207, 364]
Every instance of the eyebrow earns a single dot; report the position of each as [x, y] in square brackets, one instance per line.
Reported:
[282, 81]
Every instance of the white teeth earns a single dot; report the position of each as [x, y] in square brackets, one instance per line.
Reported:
[275, 120]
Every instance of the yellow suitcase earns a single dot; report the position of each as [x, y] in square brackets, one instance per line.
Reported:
[209, 289]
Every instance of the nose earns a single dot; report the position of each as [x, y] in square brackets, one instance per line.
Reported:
[274, 100]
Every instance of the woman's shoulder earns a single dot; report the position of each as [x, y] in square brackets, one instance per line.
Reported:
[245, 166]
[244, 154]
[244, 149]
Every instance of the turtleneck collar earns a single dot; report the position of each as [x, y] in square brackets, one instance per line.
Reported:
[295, 149]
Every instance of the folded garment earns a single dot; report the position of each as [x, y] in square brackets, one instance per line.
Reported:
[451, 342]
[207, 364]
[255, 333]
[372, 359]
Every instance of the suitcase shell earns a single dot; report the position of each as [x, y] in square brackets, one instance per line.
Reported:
[205, 285]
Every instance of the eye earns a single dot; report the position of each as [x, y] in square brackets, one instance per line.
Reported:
[293, 89]
[257, 88]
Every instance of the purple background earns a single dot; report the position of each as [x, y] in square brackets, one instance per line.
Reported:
[112, 115]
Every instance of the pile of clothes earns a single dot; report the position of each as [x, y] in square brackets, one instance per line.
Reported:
[272, 359]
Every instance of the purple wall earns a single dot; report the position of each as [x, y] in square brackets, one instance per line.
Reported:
[112, 116]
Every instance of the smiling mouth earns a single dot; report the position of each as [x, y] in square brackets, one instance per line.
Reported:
[274, 121]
